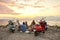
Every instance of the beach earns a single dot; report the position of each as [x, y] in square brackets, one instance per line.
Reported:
[50, 34]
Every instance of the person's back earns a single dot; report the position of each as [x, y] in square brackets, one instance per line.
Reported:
[11, 26]
[19, 26]
[23, 27]
[26, 24]
[42, 25]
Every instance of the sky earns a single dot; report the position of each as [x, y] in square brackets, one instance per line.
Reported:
[29, 8]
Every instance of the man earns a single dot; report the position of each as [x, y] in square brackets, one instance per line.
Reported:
[23, 27]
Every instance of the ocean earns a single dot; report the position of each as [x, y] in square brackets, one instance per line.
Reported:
[5, 22]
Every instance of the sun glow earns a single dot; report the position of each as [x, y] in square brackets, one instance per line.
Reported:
[28, 11]
[30, 8]
[26, 8]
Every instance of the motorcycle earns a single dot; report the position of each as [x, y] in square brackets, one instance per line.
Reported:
[38, 29]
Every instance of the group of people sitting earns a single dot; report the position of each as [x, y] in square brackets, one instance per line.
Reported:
[24, 27]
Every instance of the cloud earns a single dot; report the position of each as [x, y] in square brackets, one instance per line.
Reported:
[57, 6]
[5, 1]
[14, 6]
[4, 9]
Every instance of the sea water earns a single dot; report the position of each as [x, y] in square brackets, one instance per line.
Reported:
[5, 22]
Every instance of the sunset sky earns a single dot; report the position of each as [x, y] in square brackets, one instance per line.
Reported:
[29, 8]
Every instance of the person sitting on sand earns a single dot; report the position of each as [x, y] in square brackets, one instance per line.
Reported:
[19, 26]
[42, 23]
[31, 27]
[26, 24]
[23, 27]
[11, 24]
[46, 26]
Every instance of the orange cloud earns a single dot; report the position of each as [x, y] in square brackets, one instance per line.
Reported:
[5, 10]
[57, 6]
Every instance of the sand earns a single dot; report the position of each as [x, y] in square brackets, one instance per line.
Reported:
[50, 34]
